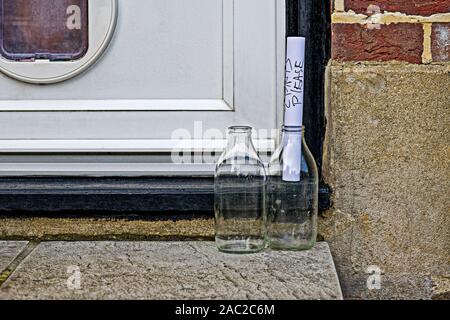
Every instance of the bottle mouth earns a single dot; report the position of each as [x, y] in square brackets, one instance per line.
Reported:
[239, 129]
[298, 129]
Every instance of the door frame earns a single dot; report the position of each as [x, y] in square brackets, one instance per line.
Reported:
[168, 193]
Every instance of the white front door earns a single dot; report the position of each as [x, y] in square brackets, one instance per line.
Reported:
[174, 69]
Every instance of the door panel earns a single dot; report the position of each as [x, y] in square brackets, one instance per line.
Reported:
[172, 64]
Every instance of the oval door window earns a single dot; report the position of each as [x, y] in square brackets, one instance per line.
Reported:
[48, 41]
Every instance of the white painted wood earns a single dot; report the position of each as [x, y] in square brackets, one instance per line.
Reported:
[123, 146]
[228, 52]
[162, 50]
[116, 105]
[109, 164]
[281, 58]
[228, 69]
[96, 169]
[115, 77]
[115, 157]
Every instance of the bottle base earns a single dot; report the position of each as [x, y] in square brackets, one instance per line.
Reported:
[293, 246]
[240, 246]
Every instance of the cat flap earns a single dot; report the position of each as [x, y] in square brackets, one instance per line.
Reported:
[55, 30]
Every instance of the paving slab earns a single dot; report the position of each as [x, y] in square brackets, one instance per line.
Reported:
[170, 270]
[9, 250]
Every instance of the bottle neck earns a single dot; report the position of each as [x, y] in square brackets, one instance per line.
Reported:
[239, 136]
[292, 135]
[240, 140]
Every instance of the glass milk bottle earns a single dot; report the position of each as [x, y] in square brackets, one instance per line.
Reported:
[292, 194]
[239, 188]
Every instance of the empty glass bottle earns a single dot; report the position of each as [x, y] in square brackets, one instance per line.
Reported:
[292, 194]
[240, 182]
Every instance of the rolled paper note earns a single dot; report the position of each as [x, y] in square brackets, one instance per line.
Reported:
[292, 158]
[293, 105]
[294, 83]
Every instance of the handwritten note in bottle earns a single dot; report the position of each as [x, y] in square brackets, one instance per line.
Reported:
[295, 82]
[293, 104]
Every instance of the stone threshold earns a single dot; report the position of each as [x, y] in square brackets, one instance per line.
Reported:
[161, 270]
[101, 228]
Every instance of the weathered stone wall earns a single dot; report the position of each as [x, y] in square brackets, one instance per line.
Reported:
[387, 160]
[388, 147]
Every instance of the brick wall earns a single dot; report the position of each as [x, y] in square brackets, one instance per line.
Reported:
[391, 30]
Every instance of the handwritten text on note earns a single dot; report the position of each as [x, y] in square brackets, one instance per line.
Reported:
[294, 81]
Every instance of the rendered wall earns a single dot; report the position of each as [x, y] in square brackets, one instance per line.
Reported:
[388, 148]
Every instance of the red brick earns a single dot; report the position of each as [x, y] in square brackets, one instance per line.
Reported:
[440, 42]
[355, 42]
[415, 7]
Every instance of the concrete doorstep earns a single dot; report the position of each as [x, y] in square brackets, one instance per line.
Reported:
[162, 270]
